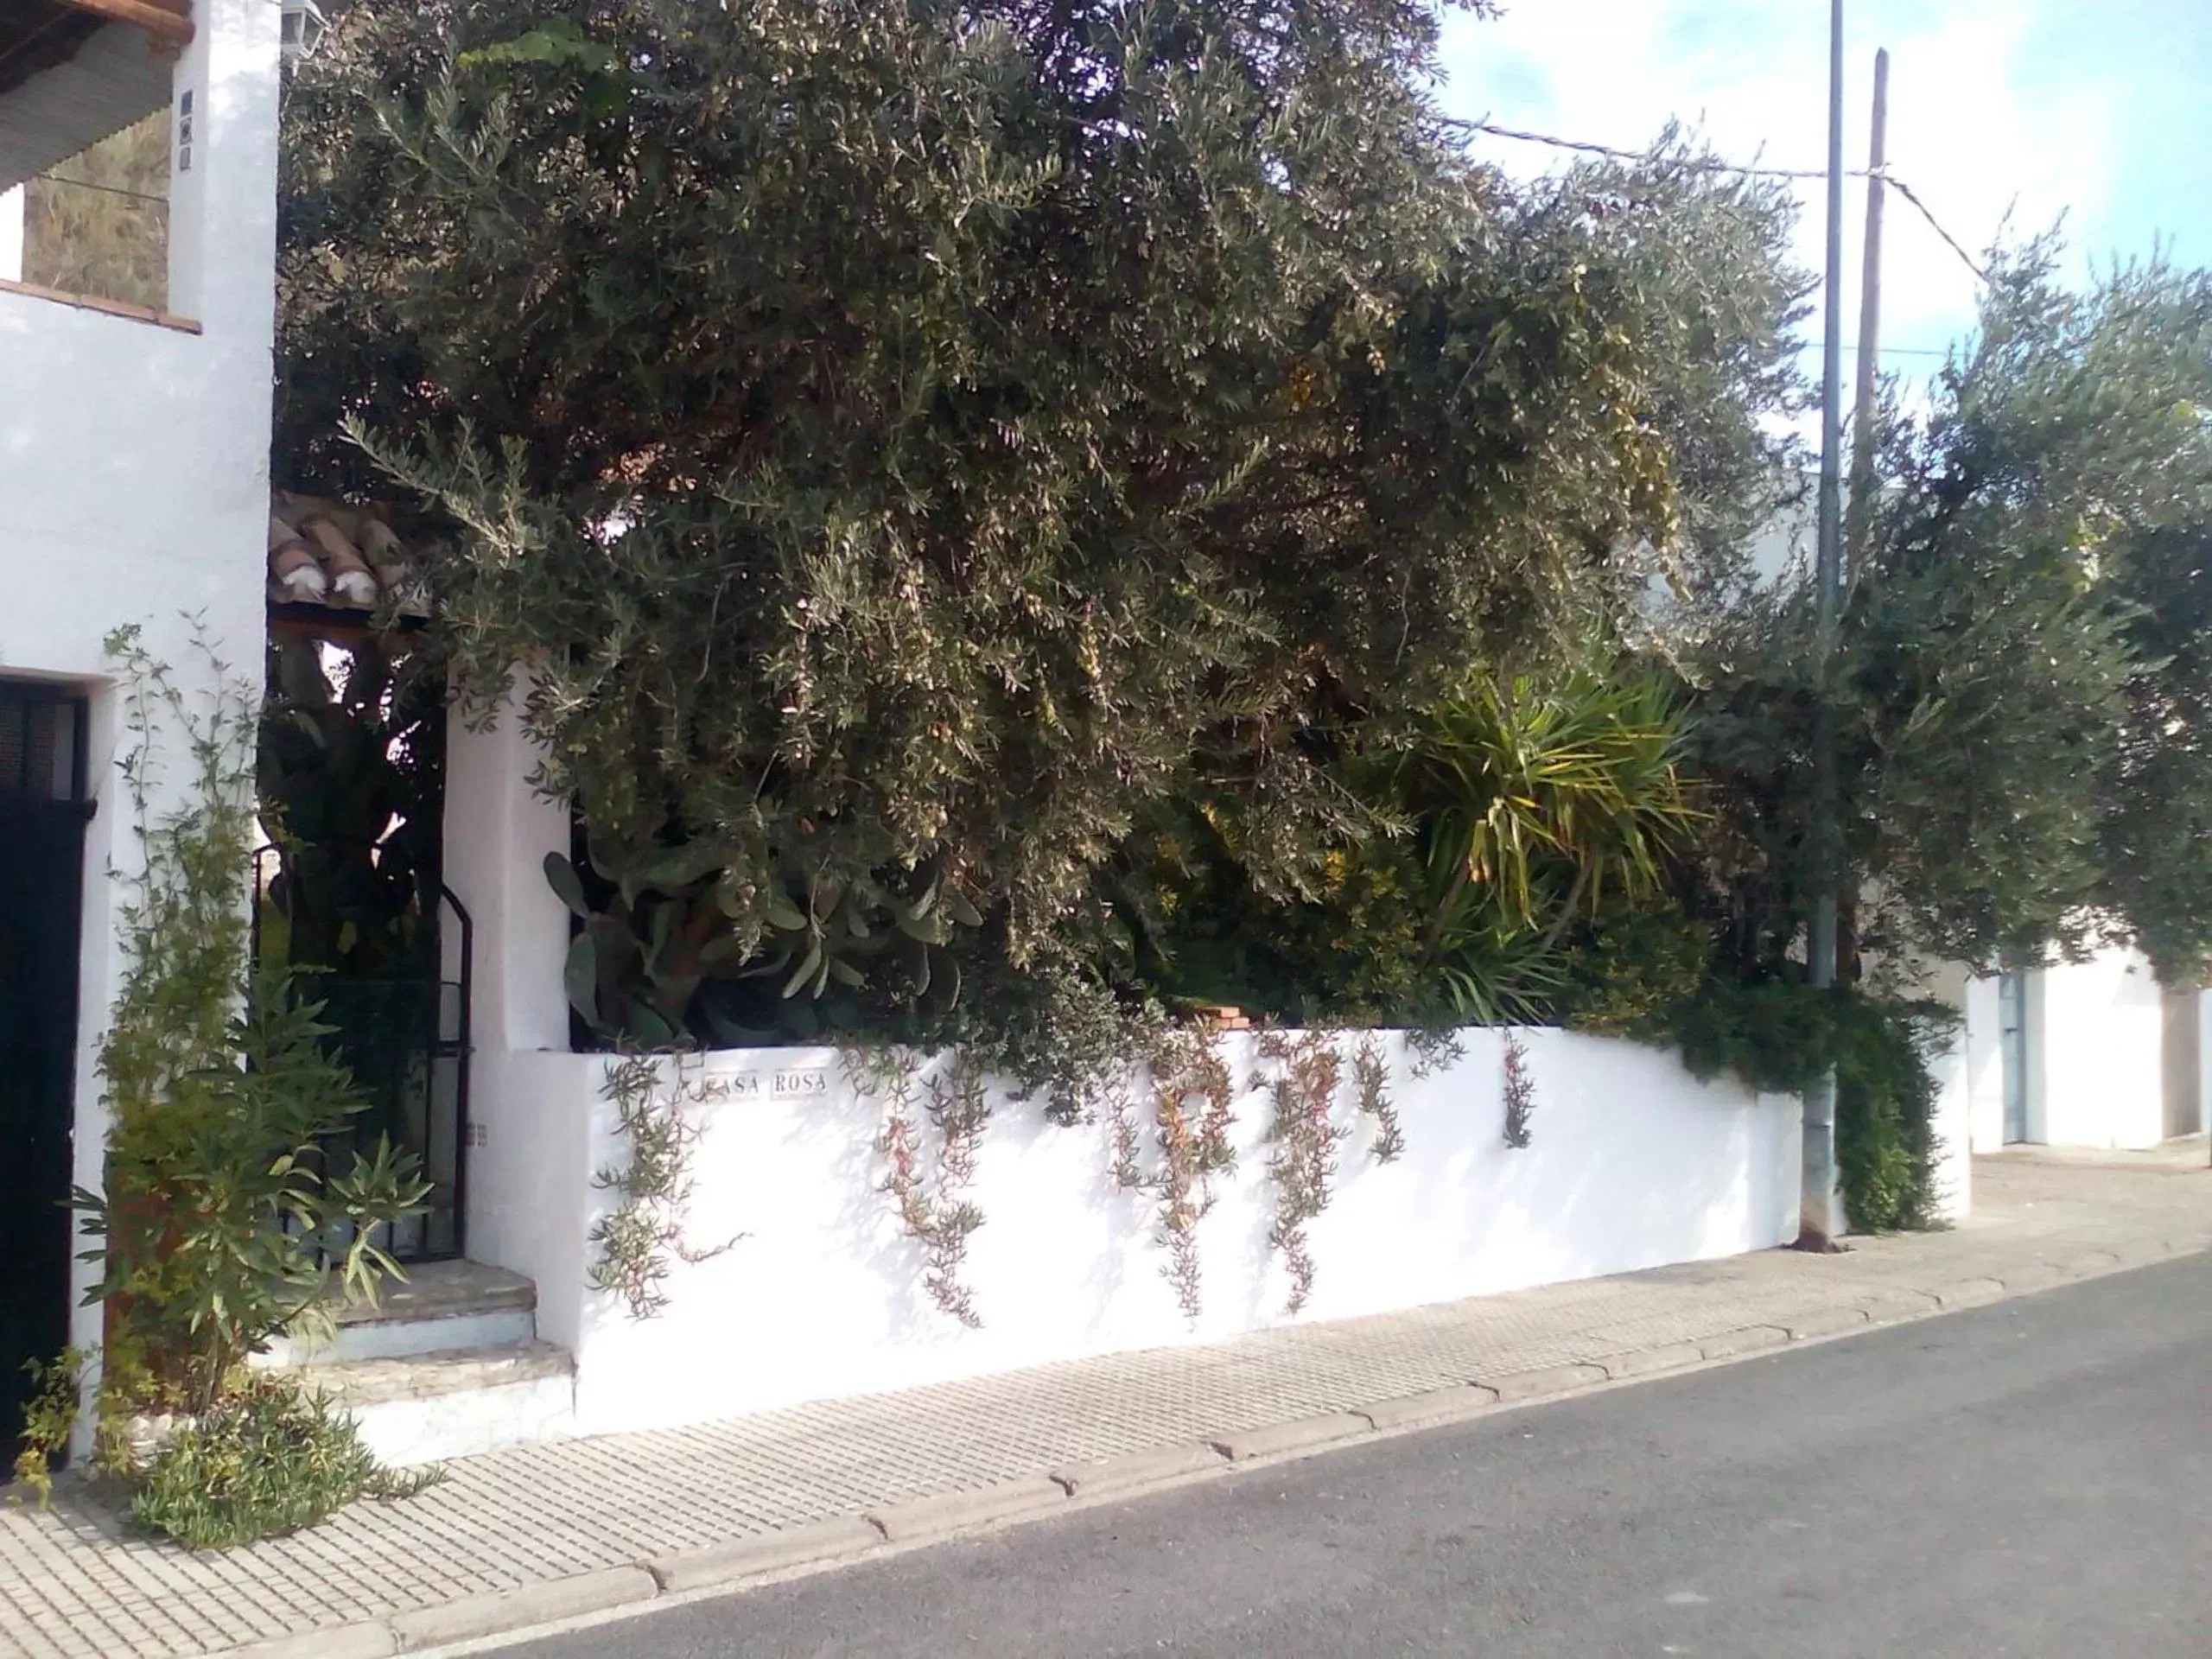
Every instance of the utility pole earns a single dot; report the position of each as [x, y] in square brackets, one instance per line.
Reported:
[1820, 1216]
[1861, 523]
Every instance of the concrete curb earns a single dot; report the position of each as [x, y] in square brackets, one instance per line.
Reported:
[479, 1621]
[1512, 1387]
[773, 1552]
[1437, 1407]
[2031, 1276]
[1649, 1362]
[935, 1516]
[1136, 1469]
[348, 1642]
[1824, 1322]
[1897, 1307]
[1301, 1434]
[1744, 1340]
[543, 1603]
[1968, 1293]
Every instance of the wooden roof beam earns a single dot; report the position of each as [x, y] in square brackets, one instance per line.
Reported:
[166, 20]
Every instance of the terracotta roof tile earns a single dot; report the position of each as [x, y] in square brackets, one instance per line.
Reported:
[324, 552]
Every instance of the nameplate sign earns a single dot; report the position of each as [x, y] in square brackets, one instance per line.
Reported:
[800, 1083]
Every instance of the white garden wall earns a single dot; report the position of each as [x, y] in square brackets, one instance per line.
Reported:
[1633, 1164]
[2097, 1028]
[1953, 1070]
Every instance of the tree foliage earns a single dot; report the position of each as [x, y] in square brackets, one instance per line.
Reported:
[978, 436]
[2018, 701]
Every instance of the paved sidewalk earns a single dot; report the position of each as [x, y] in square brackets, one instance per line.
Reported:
[538, 1533]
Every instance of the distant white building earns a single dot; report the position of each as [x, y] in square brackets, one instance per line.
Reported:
[2095, 1054]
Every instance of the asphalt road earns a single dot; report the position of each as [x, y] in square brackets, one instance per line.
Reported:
[2028, 1479]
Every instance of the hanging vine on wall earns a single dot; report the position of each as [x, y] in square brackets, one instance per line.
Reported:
[1304, 1135]
[1193, 1113]
[1520, 1093]
[1432, 1049]
[932, 1209]
[644, 1235]
[1371, 1076]
[1126, 1168]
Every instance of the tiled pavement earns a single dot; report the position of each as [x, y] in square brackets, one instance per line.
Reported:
[72, 1583]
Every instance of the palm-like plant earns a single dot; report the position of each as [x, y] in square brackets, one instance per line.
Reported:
[1539, 801]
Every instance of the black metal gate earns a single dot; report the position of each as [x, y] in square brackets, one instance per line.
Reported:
[349, 896]
[405, 1039]
[43, 816]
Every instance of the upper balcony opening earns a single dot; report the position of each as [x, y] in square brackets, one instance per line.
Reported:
[84, 146]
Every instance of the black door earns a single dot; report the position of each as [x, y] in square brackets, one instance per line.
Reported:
[41, 875]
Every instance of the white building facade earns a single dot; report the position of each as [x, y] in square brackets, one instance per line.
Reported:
[2095, 1054]
[134, 490]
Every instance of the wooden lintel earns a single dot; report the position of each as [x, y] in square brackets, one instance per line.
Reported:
[110, 308]
[166, 20]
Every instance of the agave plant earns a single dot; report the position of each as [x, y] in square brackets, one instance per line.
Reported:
[678, 923]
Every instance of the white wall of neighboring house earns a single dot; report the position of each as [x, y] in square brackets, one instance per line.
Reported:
[134, 464]
[808, 1287]
[2107, 1059]
[1952, 1124]
[1983, 1054]
[2098, 1082]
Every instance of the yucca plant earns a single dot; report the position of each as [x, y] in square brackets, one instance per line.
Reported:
[1539, 801]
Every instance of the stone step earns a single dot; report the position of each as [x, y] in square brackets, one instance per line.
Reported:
[443, 1307]
[418, 1408]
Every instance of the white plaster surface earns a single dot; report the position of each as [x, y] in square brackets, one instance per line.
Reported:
[1633, 1164]
[400, 1338]
[498, 832]
[1985, 1064]
[464, 1423]
[2096, 1079]
[134, 474]
[2094, 1053]
[1953, 1070]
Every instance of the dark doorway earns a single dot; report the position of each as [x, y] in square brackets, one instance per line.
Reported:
[42, 815]
[349, 893]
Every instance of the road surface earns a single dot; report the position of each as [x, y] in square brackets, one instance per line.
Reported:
[2028, 1479]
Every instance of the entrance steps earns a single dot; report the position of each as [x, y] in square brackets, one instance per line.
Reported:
[446, 1365]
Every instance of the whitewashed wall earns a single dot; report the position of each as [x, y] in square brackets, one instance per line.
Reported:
[2095, 1046]
[2097, 1028]
[1955, 1073]
[1982, 1037]
[134, 466]
[1633, 1164]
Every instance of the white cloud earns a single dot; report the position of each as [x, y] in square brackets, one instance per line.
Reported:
[1965, 131]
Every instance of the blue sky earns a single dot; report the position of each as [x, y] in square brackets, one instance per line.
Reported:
[2100, 110]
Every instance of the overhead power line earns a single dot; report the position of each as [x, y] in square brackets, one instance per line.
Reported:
[1934, 224]
[1714, 164]
[1697, 164]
